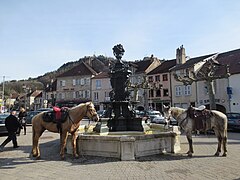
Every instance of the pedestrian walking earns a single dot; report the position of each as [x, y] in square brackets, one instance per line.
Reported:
[22, 119]
[12, 124]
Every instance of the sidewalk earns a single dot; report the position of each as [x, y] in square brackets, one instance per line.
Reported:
[16, 163]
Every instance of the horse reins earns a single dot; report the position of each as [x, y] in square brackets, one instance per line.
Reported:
[181, 122]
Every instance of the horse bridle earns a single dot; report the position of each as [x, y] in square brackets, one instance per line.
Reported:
[89, 110]
[170, 115]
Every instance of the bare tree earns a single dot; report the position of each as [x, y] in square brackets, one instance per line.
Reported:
[206, 72]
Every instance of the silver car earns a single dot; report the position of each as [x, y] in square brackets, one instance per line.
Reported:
[159, 120]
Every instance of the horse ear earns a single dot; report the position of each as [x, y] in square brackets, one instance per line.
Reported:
[166, 108]
[89, 104]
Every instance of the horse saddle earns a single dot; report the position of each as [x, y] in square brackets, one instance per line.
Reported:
[200, 116]
[57, 115]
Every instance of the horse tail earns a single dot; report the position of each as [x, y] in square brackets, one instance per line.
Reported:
[34, 150]
[33, 135]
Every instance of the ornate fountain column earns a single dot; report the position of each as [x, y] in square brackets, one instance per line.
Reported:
[123, 118]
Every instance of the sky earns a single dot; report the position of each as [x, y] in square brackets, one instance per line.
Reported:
[38, 36]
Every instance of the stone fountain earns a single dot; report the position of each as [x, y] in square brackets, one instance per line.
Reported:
[120, 133]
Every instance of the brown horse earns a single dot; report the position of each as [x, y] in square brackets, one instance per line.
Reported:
[212, 119]
[72, 123]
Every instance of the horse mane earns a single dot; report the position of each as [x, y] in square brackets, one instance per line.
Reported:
[81, 105]
[176, 111]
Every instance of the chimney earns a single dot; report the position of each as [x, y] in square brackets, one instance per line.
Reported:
[180, 55]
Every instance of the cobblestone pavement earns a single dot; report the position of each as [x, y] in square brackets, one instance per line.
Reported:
[17, 164]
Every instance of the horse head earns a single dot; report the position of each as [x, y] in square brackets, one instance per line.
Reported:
[191, 112]
[91, 112]
[167, 112]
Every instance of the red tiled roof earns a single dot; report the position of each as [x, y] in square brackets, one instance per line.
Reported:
[36, 93]
[79, 70]
[102, 75]
[143, 65]
[231, 58]
[164, 67]
[190, 62]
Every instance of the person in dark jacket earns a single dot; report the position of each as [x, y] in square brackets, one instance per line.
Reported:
[22, 118]
[12, 124]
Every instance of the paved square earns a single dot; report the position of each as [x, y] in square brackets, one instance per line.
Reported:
[16, 163]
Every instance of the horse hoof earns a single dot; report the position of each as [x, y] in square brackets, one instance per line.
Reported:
[38, 158]
[190, 155]
[216, 154]
[224, 155]
[34, 155]
[62, 157]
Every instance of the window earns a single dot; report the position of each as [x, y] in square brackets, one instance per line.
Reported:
[74, 95]
[151, 93]
[187, 90]
[178, 90]
[95, 96]
[80, 94]
[139, 79]
[62, 83]
[88, 94]
[106, 94]
[158, 93]
[157, 78]
[165, 77]
[98, 84]
[82, 82]
[88, 81]
[63, 95]
[74, 82]
[150, 79]
[77, 94]
[165, 92]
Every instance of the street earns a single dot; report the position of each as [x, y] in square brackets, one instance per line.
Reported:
[17, 164]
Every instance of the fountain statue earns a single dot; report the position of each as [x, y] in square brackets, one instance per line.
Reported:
[121, 111]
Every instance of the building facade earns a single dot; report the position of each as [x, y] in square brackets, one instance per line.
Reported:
[159, 80]
[74, 86]
[101, 88]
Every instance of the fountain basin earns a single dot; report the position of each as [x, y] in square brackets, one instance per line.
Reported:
[127, 145]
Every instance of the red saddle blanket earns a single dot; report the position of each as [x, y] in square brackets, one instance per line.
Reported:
[58, 112]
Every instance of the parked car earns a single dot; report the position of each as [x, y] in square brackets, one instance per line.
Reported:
[30, 115]
[45, 109]
[3, 129]
[159, 119]
[153, 114]
[233, 121]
